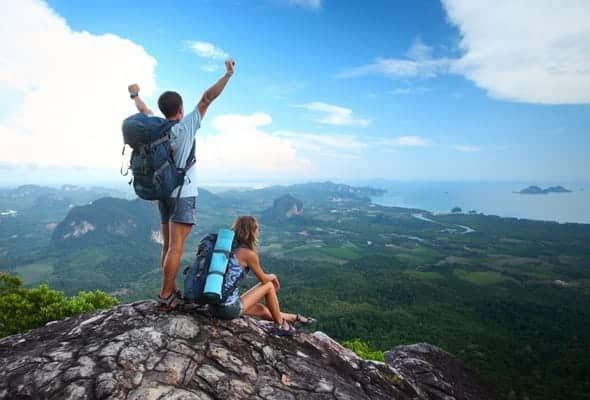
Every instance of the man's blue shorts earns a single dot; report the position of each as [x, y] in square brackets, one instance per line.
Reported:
[185, 211]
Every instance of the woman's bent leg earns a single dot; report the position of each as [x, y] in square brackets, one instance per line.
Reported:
[289, 317]
[259, 310]
[266, 291]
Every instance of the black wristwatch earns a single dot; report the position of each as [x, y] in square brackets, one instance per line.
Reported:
[133, 95]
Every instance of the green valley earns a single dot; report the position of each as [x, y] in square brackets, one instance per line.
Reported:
[508, 296]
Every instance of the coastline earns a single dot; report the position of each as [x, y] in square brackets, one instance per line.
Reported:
[500, 199]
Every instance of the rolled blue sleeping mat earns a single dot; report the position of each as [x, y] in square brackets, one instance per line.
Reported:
[219, 260]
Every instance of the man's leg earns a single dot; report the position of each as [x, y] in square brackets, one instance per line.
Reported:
[164, 210]
[178, 234]
[165, 230]
[182, 216]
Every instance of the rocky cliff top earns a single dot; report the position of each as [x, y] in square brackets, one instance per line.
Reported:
[134, 352]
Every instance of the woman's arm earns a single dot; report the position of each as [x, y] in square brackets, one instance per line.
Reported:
[254, 264]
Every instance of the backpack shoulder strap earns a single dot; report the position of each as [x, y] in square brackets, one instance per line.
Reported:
[161, 140]
[191, 160]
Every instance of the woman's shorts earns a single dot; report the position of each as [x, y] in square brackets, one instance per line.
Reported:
[228, 311]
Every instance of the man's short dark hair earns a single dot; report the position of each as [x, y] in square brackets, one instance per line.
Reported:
[169, 103]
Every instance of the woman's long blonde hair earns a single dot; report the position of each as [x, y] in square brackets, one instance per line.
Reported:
[244, 228]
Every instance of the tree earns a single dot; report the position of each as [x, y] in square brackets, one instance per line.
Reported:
[22, 309]
[362, 350]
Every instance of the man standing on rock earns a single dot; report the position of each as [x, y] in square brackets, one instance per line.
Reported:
[178, 217]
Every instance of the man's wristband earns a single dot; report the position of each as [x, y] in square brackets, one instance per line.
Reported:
[133, 95]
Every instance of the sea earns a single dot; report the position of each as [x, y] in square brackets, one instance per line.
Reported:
[492, 198]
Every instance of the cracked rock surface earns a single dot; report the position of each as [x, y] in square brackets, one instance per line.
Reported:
[134, 352]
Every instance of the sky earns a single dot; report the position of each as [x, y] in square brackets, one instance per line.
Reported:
[451, 90]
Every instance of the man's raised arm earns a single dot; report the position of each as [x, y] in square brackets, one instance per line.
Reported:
[215, 90]
[134, 94]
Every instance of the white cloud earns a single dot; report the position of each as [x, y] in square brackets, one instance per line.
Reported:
[399, 68]
[466, 148]
[411, 90]
[334, 115]
[406, 141]
[309, 4]
[532, 51]
[418, 64]
[348, 146]
[207, 50]
[323, 142]
[419, 50]
[242, 146]
[72, 89]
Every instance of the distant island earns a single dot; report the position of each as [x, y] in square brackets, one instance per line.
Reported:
[538, 190]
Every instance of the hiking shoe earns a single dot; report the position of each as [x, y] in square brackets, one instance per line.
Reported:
[172, 302]
[284, 329]
[304, 321]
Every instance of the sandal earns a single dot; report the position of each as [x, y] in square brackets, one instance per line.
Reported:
[172, 302]
[283, 329]
[304, 321]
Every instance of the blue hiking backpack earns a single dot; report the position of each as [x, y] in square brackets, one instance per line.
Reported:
[155, 174]
[205, 279]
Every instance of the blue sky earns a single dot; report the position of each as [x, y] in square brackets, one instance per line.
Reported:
[416, 90]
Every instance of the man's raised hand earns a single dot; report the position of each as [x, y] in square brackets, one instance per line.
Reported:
[134, 94]
[214, 91]
[133, 88]
[229, 66]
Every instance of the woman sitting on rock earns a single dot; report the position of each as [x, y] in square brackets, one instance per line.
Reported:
[246, 259]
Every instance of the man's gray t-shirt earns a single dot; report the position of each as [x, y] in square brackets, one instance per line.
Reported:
[183, 138]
